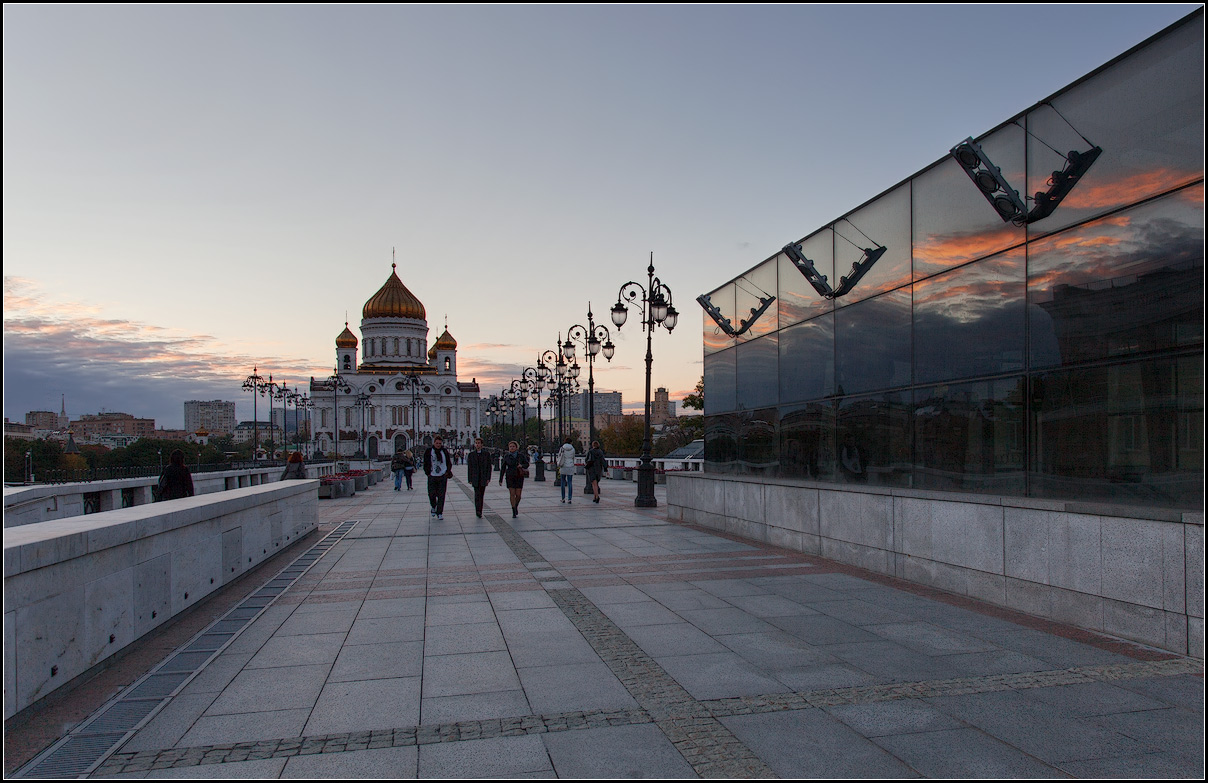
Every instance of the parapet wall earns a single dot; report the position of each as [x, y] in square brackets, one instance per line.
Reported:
[78, 590]
[1126, 571]
[40, 502]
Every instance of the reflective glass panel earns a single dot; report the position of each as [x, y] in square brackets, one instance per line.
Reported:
[872, 440]
[953, 222]
[885, 222]
[1128, 283]
[759, 283]
[970, 321]
[757, 363]
[721, 443]
[807, 441]
[758, 445]
[807, 359]
[720, 389]
[798, 299]
[715, 338]
[970, 436]
[872, 344]
[1127, 433]
[1146, 113]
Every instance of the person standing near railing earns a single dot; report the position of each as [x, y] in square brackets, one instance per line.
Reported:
[175, 482]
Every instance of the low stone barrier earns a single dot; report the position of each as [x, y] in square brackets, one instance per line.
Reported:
[79, 590]
[41, 502]
[1131, 572]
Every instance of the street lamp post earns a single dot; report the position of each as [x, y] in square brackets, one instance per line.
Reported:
[362, 400]
[255, 384]
[338, 384]
[594, 338]
[654, 301]
[536, 376]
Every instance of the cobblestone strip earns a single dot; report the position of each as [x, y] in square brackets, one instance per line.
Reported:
[866, 694]
[709, 747]
[690, 723]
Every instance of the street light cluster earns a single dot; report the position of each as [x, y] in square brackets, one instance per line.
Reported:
[559, 370]
[262, 387]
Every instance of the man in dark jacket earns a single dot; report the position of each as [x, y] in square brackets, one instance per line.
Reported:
[175, 482]
[479, 470]
[437, 464]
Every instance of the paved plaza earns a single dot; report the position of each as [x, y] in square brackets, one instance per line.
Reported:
[603, 640]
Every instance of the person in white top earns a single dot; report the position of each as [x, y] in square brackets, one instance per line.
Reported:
[437, 463]
[566, 469]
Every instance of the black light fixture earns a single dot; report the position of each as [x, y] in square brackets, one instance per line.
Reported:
[870, 256]
[989, 181]
[715, 313]
[1062, 182]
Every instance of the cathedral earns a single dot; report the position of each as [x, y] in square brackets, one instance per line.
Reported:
[400, 392]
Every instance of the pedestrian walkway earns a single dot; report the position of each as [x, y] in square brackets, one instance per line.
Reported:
[589, 640]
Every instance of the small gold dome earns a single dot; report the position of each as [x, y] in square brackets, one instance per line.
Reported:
[393, 300]
[432, 353]
[346, 339]
[445, 342]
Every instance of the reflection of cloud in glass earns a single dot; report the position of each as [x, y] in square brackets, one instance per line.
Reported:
[1148, 238]
[946, 250]
[1126, 189]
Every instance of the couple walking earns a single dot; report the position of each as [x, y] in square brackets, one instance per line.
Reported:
[513, 469]
[593, 467]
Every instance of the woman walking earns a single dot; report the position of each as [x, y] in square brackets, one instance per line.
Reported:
[408, 467]
[566, 469]
[512, 469]
[595, 464]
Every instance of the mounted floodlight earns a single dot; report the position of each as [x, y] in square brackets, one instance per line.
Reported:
[764, 303]
[858, 270]
[989, 180]
[807, 268]
[715, 313]
[1062, 182]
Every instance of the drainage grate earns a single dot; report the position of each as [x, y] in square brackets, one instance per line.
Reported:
[72, 757]
[209, 641]
[186, 661]
[157, 685]
[121, 717]
[88, 745]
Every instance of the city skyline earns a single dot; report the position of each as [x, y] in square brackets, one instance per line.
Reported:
[191, 192]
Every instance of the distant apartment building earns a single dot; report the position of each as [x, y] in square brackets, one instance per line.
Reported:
[90, 426]
[46, 420]
[608, 402]
[214, 416]
[14, 429]
[163, 434]
[245, 430]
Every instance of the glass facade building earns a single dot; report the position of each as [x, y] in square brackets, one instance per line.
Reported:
[1059, 359]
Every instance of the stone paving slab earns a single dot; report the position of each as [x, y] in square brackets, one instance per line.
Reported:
[605, 641]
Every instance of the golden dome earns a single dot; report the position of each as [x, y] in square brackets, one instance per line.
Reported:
[445, 342]
[393, 300]
[346, 339]
[432, 352]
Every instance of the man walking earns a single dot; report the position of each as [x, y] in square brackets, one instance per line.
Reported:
[479, 470]
[437, 462]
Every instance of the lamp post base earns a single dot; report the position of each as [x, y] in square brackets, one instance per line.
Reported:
[645, 498]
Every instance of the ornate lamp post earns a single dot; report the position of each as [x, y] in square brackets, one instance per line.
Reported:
[338, 384]
[255, 384]
[279, 392]
[591, 338]
[654, 301]
[536, 377]
[547, 362]
[362, 399]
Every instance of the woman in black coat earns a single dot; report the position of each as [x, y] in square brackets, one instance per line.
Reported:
[512, 469]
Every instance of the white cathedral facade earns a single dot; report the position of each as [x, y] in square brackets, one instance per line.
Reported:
[399, 393]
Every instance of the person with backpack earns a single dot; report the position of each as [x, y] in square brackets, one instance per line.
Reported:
[566, 469]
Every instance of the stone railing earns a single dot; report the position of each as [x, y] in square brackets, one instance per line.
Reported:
[78, 590]
[40, 502]
[1131, 572]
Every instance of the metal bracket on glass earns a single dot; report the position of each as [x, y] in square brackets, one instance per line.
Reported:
[1062, 182]
[725, 324]
[989, 180]
[846, 283]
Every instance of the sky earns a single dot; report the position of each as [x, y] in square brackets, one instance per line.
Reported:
[194, 191]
